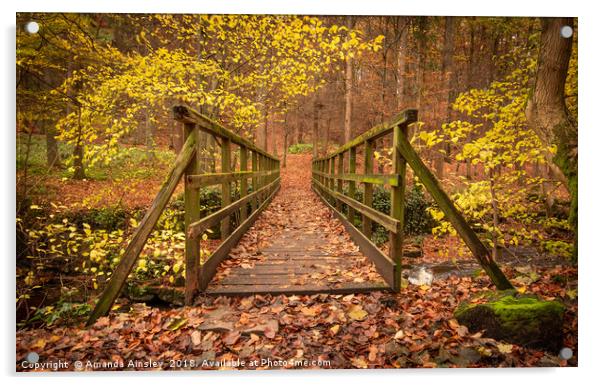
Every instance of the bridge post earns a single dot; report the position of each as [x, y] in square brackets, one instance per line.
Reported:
[340, 171]
[397, 203]
[192, 213]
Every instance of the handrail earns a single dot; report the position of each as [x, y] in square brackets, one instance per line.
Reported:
[405, 117]
[328, 183]
[186, 114]
[265, 182]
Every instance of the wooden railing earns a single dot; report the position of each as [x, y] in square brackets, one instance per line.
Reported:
[330, 173]
[264, 176]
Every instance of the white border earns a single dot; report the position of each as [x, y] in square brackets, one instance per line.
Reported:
[589, 195]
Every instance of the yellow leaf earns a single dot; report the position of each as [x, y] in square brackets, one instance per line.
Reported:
[359, 362]
[505, 348]
[335, 329]
[522, 289]
[357, 313]
[40, 344]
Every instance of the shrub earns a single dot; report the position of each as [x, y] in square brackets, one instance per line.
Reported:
[300, 148]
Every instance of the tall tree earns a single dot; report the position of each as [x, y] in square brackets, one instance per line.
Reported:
[546, 110]
[446, 80]
[348, 88]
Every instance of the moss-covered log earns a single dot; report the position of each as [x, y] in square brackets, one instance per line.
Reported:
[523, 320]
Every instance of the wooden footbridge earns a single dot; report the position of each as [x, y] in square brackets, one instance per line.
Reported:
[289, 267]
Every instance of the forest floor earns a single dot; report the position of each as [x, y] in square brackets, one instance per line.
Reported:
[413, 328]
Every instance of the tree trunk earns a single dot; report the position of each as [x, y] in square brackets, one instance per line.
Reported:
[284, 148]
[53, 157]
[446, 75]
[401, 67]
[546, 109]
[348, 89]
[263, 137]
[78, 151]
[316, 111]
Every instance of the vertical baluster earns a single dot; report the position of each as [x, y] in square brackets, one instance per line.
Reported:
[226, 187]
[254, 181]
[332, 168]
[368, 189]
[397, 204]
[340, 171]
[244, 182]
[352, 155]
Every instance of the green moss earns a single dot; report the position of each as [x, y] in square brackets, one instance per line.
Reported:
[525, 320]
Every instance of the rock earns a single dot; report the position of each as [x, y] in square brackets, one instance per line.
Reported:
[148, 294]
[421, 276]
[522, 320]
[170, 295]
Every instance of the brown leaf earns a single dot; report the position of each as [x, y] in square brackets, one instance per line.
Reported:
[195, 336]
[231, 338]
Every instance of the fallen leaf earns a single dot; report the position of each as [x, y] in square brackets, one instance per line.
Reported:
[39, 344]
[269, 332]
[359, 362]
[399, 335]
[335, 329]
[357, 313]
[196, 337]
[231, 338]
[505, 348]
[177, 323]
[372, 351]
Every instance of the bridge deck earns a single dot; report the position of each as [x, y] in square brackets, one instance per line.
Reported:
[296, 247]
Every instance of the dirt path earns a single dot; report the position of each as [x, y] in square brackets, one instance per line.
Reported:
[296, 246]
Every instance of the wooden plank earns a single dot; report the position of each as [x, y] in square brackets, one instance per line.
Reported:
[397, 204]
[380, 179]
[344, 288]
[368, 188]
[210, 266]
[404, 117]
[279, 279]
[300, 258]
[186, 114]
[133, 249]
[192, 212]
[226, 188]
[284, 270]
[383, 264]
[452, 214]
[200, 226]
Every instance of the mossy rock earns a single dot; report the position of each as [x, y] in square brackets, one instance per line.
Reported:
[523, 320]
[152, 294]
